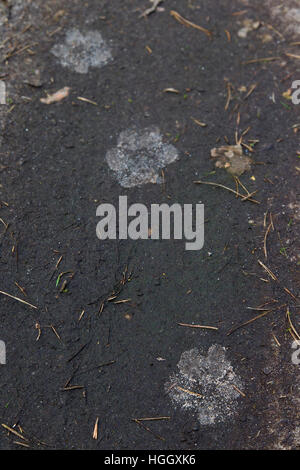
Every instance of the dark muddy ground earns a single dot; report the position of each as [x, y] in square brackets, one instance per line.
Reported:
[54, 175]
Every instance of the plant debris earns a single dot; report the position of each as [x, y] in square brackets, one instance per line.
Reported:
[151, 9]
[231, 158]
[248, 26]
[57, 96]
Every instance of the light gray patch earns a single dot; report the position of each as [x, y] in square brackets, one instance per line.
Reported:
[82, 51]
[288, 13]
[212, 378]
[139, 156]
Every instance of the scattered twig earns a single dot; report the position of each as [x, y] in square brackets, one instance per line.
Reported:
[228, 189]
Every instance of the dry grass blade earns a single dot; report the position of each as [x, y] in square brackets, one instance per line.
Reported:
[229, 96]
[189, 392]
[148, 429]
[72, 387]
[22, 444]
[14, 432]
[198, 326]
[158, 418]
[189, 24]
[290, 293]
[95, 432]
[248, 322]
[263, 59]
[271, 274]
[288, 314]
[86, 100]
[17, 298]
[265, 239]
[248, 196]
[228, 35]
[239, 391]
[251, 90]
[255, 318]
[171, 90]
[199, 123]
[294, 56]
